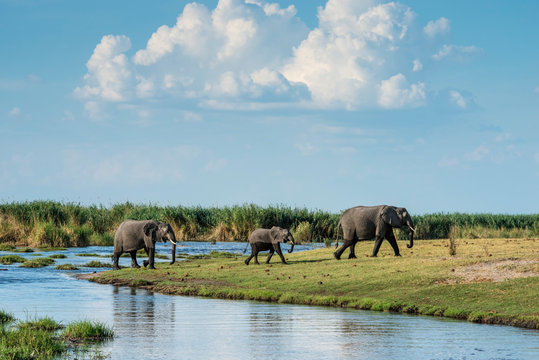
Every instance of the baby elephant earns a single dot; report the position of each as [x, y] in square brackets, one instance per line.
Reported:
[269, 239]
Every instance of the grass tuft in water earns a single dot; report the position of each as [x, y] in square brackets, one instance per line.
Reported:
[38, 263]
[11, 259]
[97, 264]
[45, 324]
[57, 256]
[66, 267]
[88, 331]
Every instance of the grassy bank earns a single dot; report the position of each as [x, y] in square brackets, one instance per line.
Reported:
[47, 223]
[487, 281]
[46, 339]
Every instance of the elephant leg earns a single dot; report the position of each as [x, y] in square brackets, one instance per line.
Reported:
[393, 241]
[115, 259]
[377, 243]
[134, 259]
[270, 255]
[345, 245]
[146, 262]
[151, 258]
[253, 250]
[353, 250]
[279, 252]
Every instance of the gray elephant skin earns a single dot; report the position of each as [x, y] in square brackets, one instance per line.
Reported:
[368, 222]
[269, 239]
[133, 235]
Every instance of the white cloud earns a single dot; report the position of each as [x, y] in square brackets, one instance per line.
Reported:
[16, 111]
[108, 70]
[459, 53]
[395, 93]
[434, 28]
[344, 59]
[249, 54]
[418, 66]
[458, 99]
[478, 154]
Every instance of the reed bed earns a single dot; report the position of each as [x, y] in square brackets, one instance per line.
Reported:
[49, 223]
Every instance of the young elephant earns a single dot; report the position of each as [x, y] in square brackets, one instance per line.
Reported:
[133, 235]
[269, 239]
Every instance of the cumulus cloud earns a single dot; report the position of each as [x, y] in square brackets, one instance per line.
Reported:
[246, 53]
[438, 27]
[395, 92]
[343, 60]
[108, 70]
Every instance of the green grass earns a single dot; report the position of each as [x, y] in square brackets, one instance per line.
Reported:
[66, 267]
[88, 331]
[425, 280]
[38, 263]
[24, 250]
[46, 324]
[41, 338]
[88, 255]
[5, 317]
[11, 259]
[97, 264]
[57, 256]
[7, 247]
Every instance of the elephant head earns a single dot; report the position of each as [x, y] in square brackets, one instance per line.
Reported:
[282, 235]
[398, 217]
[157, 231]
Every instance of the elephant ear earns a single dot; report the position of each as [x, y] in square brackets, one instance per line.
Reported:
[389, 215]
[275, 233]
[149, 231]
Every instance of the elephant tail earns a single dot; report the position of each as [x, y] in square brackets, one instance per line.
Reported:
[246, 246]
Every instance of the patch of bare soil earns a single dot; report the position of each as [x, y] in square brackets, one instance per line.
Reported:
[495, 271]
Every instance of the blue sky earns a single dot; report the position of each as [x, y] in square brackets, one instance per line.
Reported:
[431, 105]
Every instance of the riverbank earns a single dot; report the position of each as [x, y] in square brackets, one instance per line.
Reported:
[494, 281]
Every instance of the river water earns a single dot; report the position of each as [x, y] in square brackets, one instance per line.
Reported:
[153, 326]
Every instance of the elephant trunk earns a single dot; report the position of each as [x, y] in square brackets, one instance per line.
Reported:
[292, 248]
[411, 244]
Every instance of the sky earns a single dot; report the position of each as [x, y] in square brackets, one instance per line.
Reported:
[429, 105]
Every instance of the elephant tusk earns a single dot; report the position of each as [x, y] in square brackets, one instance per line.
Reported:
[411, 228]
[172, 242]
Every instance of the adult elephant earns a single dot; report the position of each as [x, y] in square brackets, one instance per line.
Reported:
[269, 239]
[133, 235]
[367, 222]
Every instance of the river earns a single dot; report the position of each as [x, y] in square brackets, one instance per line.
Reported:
[154, 326]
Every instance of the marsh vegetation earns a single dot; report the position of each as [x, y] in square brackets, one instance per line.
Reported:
[53, 224]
